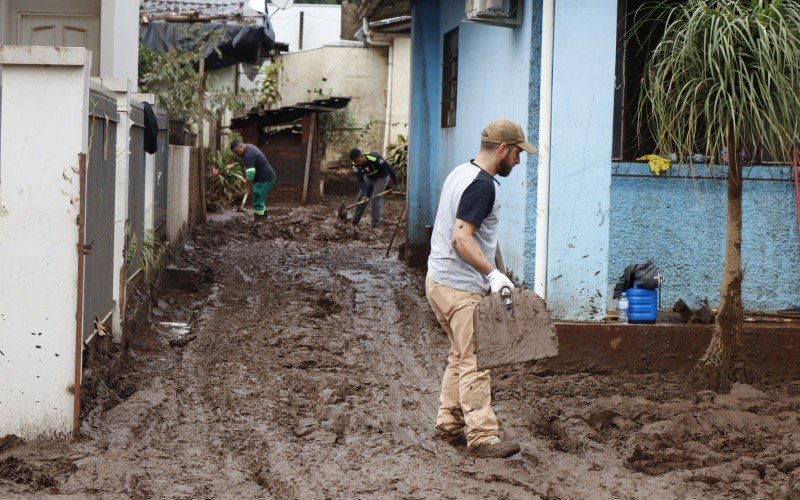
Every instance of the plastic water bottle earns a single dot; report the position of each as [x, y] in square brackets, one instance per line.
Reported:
[622, 309]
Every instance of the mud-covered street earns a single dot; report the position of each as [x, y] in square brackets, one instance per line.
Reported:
[309, 367]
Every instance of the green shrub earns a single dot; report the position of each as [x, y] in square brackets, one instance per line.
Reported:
[397, 155]
[226, 178]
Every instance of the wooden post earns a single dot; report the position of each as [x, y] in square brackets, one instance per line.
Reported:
[201, 157]
[81, 251]
[311, 127]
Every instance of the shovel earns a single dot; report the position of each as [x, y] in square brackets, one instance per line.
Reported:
[512, 326]
[244, 200]
[342, 212]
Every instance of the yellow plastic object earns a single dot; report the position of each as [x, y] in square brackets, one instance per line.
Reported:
[656, 163]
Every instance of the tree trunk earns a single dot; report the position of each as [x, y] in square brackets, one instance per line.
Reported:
[725, 360]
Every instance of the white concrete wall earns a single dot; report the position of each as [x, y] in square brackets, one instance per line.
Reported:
[39, 205]
[4, 13]
[178, 192]
[321, 25]
[221, 79]
[119, 40]
[351, 71]
[401, 85]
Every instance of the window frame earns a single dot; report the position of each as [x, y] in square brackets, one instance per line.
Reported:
[449, 78]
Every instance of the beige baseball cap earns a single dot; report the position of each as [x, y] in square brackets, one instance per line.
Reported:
[504, 131]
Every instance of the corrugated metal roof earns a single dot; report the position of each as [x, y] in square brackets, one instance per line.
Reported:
[376, 10]
[288, 114]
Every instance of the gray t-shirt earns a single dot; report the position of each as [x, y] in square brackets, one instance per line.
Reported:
[471, 194]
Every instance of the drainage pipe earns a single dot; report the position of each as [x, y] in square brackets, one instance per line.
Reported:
[543, 168]
[372, 43]
[389, 89]
[368, 35]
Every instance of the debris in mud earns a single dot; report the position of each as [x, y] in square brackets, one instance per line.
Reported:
[18, 471]
[313, 371]
[182, 341]
[9, 441]
[188, 279]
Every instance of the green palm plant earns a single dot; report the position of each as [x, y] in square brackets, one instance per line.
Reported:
[225, 178]
[725, 77]
[397, 155]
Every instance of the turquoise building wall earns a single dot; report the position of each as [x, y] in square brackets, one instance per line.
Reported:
[679, 223]
[580, 177]
[493, 80]
[604, 215]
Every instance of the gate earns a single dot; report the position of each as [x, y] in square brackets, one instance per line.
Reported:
[161, 176]
[98, 299]
[134, 229]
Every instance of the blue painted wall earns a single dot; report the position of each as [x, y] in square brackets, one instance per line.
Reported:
[680, 223]
[423, 139]
[493, 80]
[599, 224]
[580, 180]
[534, 96]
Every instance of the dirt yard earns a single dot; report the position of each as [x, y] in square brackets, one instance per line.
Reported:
[304, 364]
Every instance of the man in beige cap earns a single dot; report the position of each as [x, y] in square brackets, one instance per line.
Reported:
[460, 272]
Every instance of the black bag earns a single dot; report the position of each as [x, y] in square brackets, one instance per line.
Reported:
[646, 276]
[150, 129]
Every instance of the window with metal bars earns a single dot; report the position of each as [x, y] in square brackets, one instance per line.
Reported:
[449, 78]
[637, 37]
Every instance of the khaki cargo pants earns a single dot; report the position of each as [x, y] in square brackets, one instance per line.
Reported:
[466, 397]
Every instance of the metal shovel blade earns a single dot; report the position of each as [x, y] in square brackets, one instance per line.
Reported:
[504, 337]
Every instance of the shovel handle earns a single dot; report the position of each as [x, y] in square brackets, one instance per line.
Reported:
[364, 202]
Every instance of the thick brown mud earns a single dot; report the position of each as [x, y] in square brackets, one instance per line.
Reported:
[304, 364]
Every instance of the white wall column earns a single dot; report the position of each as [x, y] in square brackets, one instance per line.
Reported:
[149, 191]
[178, 192]
[119, 40]
[40, 248]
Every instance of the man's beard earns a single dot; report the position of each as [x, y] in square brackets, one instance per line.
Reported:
[504, 170]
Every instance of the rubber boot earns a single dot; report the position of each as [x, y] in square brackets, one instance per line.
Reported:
[499, 449]
[258, 222]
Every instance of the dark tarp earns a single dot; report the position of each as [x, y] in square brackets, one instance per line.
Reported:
[243, 43]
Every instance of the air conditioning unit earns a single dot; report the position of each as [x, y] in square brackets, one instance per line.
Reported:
[506, 13]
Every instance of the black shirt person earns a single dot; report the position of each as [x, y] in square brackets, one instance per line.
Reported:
[373, 173]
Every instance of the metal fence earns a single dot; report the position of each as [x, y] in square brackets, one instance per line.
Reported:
[134, 228]
[99, 273]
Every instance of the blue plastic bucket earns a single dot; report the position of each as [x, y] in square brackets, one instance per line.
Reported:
[642, 305]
